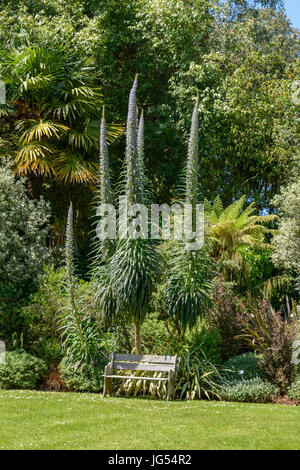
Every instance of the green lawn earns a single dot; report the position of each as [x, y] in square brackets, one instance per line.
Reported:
[43, 420]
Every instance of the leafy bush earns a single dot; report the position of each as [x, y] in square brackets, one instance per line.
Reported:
[82, 379]
[227, 316]
[252, 391]
[23, 231]
[50, 350]
[21, 370]
[41, 335]
[273, 338]
[244, 366]
[208, 341]
[159, 338]
[294, 390]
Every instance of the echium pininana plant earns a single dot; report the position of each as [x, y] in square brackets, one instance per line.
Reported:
[192, 160]
[187, 287]
[128, 277]
[132, 169]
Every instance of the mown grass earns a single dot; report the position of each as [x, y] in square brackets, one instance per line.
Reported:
[43, 420]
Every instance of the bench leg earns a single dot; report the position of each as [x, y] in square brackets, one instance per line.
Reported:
[170, 386]
[107, 386]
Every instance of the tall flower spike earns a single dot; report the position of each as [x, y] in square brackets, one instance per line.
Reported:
[106, 197]
[69, 256]
[140, 151]
[192, 161]
[105, 185]
[131, 147]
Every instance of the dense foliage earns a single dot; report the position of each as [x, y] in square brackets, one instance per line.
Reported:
[294, 390]
[253, 391]
[87, 379]
[242, 367]
[212, 117]
[287, 241]
[21, 370]
[273, 337]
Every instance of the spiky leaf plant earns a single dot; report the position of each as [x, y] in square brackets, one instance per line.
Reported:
[187, 291]
[198, 378]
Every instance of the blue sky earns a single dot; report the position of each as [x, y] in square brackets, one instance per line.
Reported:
[293, 11]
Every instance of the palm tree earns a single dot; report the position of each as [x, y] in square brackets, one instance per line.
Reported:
[56, 108]
[233, 228]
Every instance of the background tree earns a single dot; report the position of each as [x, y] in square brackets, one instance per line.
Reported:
[287, 240]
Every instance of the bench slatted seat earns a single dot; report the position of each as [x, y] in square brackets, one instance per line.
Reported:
[136, 362]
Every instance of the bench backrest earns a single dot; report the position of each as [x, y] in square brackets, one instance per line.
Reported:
[143, 362]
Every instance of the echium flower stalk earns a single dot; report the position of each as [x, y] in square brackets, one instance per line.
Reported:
[69, 259]
[131, 148]
[141, 163]
[70, 275]
[105, 185]
[106, 197]
[192, 160]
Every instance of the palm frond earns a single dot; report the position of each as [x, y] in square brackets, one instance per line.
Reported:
[71, 167]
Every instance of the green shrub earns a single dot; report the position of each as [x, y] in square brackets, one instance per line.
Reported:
[209, 341]
[82, 379]
[49, 349]
[252, 391]
[197, 377]
[272, 337]
[24, 227]
[227, 316]
[21, 370]
[242, 367]
[294, 390]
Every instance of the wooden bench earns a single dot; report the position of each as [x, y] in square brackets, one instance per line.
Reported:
[135, 362]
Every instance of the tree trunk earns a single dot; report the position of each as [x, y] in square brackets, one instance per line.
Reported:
[34, 186]
[137, 336]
